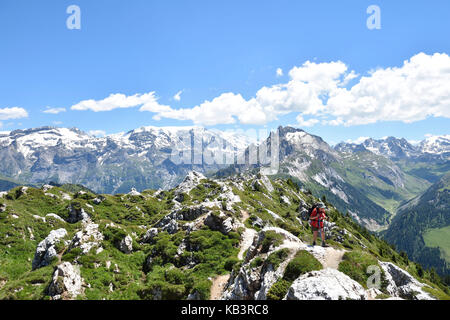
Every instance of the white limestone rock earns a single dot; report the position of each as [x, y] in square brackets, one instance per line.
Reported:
[86, 239]
[402, 284]
[126, 245]
[45, 250]
[327, 284]
[66, 282]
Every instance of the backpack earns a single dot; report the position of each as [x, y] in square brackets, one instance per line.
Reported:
[317, 223]
[315, 206]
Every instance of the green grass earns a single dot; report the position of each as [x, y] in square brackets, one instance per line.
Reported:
[355, 264]
[439, 238]
[302, 263]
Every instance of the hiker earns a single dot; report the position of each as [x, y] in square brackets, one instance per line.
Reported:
[316, 220]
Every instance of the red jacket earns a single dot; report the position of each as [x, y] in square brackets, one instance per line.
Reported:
[317, 217]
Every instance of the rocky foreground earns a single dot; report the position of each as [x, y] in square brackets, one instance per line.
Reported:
[241, 238]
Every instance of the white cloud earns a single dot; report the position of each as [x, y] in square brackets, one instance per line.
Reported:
[97, 133]
[306, 123]
[148, 101]
[279, 72]
[57, 123]
[13, 113]
[54, 110]
[177, 96]
[418, 89]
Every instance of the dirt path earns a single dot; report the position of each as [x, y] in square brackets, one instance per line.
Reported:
[332, 258]
[245, 215]
[219, 282]
[218, 285]
[247, 240]
[247, 236]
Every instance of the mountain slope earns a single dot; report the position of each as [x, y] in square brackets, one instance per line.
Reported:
[426, 213]
[171, 244]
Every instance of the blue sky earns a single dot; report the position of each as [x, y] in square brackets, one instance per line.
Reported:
[207, 48]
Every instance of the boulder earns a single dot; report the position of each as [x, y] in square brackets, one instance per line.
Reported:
[66, 282]
[327, 284]
[46, 250]
[126, 245]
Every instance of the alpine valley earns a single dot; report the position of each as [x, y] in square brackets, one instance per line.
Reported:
[115, 217]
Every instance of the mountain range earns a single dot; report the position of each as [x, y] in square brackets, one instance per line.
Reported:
[369, 180]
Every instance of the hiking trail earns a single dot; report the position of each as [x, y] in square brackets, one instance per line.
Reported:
[219, 282]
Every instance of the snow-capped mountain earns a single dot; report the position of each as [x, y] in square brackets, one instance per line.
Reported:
[142, 158]
[394, 148]
[436, 145]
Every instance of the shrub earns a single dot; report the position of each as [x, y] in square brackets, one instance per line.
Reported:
[203, 288]
[257, 262]
[277, 257]
[271, 238]
[278, 290]
[230, 263]
[303, 262]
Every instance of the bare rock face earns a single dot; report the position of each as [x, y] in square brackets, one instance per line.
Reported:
[126, 245]
[402, 284]
[66, 282]
[327, 284]
[46, 250]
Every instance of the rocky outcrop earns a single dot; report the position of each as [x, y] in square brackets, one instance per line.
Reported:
[220, 222]
[191, 180]
[77, 214]
[134, 192]
[46, 250]
[402, 284]
[66, 282]
[86, 239]
[169, 222]
[253, 282]
[327, 284]
[126, 245]
[149, 235]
